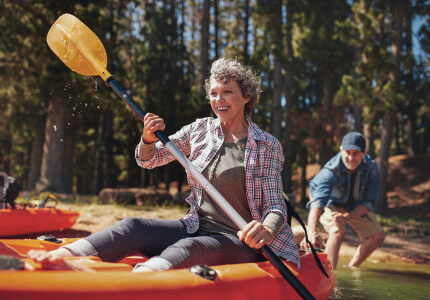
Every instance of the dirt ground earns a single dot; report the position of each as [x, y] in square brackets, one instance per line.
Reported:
[408, 198]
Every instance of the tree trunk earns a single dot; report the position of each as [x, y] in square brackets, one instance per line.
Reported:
[216, 16]
[277, 70]
[411, 86]
[36, 152]
[390, 115]
[426, 134]
[358, 118]
[7, 149]
[51, 173]
[325, 153]
[384, 154]
[108, 163]
[287, 145]
[370, 138]
[246, 33]
[357, 109]
[204, 44]
[98, 161]
[411, 130]
[303, 183]
[397, 135]
[69, 147]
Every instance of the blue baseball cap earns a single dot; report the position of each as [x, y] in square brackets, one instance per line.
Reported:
[354, 141]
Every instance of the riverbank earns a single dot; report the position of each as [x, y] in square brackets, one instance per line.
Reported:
[411, 245]
[406, 221]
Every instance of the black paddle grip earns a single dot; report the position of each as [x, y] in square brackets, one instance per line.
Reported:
[110, 81]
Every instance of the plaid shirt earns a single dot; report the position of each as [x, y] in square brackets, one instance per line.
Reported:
[200, 141]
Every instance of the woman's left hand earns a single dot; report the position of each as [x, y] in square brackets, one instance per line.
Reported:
[256, 235]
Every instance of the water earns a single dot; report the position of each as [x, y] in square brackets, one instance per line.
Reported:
[382, 280]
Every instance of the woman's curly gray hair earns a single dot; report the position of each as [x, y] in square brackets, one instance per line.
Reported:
[224, 69]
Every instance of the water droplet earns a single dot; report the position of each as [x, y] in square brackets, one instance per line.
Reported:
[61, 139]
[55, 127]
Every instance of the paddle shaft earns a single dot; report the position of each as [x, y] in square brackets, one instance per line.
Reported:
[78, 47]
[215, 195]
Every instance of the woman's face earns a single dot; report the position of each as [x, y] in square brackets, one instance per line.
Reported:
[227, 101]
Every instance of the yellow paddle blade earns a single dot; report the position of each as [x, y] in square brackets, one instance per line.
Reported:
[78, 47]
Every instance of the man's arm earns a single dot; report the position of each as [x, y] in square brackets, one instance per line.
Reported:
[314, 237]
[371, 191]
[341, 219]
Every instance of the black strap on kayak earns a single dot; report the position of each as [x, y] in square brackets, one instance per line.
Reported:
[11, 263]
[293, 213]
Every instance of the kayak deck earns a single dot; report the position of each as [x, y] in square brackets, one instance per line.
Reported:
[31, 220]
[115, 280]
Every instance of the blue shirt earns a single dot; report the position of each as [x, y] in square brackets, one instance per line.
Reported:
[331, 185]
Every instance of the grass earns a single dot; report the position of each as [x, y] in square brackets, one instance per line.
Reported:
[395, 220]
[91, 205]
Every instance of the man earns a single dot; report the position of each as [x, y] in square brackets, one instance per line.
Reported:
[345, 191]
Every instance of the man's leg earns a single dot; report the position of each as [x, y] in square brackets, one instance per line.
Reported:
[366, 248]
[336, 234]
[332, 247]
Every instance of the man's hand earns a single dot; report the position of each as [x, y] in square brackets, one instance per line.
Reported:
[340, 219]
[314, 238]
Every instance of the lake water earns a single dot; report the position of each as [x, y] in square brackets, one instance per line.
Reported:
[382, 280]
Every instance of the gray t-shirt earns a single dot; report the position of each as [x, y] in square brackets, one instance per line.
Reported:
[226, 172]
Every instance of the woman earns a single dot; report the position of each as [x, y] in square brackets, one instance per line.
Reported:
[243, 163]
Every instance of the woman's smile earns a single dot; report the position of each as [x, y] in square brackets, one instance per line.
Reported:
[227, 101]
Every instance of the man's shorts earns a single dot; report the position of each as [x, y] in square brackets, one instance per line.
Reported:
[365, 226]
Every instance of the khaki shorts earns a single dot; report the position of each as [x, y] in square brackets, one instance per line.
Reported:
[365, 226]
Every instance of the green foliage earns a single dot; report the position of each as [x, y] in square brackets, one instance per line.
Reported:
[153, 49]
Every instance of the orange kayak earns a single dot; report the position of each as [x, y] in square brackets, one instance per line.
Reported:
[115, 280]
[31, 220]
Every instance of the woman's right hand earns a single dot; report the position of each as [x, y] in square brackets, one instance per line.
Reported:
[151, 124]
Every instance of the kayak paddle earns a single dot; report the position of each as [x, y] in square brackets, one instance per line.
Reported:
[82, 51]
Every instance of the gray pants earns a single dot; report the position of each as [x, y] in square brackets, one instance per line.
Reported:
[169, 240]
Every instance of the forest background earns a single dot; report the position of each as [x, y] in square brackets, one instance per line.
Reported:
[328, 67]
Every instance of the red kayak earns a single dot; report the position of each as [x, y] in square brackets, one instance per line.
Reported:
[246, 281]
[31, 220]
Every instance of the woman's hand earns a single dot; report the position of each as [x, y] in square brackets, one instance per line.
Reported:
[54, 260]
[49, 260]
[151, 124]
[256, 235]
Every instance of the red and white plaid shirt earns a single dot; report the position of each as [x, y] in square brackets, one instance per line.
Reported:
[200, 141]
